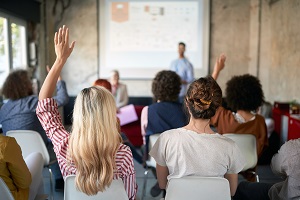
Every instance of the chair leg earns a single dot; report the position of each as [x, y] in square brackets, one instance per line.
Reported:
[257, 178]
[145, 183]
[51, 184]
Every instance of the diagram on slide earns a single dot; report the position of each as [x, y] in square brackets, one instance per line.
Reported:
[153, 26]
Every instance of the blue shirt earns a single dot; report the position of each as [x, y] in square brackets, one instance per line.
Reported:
[186, 72]
[20, 114]
[163, 116]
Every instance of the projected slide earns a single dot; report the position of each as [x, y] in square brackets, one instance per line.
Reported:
[152, 26]
[140, 38]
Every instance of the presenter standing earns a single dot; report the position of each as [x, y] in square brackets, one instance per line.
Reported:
[184, 69]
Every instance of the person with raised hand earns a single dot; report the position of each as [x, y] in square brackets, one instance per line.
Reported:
[93, 150]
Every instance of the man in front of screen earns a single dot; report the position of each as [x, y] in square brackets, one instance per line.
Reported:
[184, 69]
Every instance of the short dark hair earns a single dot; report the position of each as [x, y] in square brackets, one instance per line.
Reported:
[203, 98]
[17, 85]
[166, 86]
[244, 92]
[181, 43]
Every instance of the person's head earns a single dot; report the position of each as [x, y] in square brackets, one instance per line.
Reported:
[181, 49]
[203, 98]
[244, 92]
[114, 77]
[266, 110]
[166, 86]
[94, 140]
[17, 85]
[104, 83]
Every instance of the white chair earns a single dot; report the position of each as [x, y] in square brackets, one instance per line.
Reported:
[247, 145]
[4, 191]
[195, 187]
[150, 163]
[34, 162]
[115, 191]
[31, 141]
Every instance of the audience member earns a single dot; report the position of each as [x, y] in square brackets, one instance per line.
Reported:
[244, 95]
[104, 83]
[266, 111]
[21, 181]
[184, 69]
[165, 114]
[18, 113]
[119, 90]
[195, 149]
[273, 138]
[93, 151]
[285, 163]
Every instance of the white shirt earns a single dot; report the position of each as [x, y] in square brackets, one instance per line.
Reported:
[187, 153]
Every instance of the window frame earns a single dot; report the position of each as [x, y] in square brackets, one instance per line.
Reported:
[10, 19]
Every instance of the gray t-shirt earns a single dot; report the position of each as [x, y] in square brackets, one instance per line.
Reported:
[187, 153]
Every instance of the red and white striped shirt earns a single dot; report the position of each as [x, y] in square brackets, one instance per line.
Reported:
[47, 112]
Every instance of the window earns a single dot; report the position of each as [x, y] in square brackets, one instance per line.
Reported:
[13, 45]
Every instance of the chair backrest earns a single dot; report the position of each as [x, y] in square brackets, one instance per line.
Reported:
[115, 191]
[195, 187]
[30, 141]
[152, 139]
[4, 191]
[247, 145]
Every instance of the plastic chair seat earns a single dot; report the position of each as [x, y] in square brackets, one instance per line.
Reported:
[31, 141]
[195, 187]
[247, 145]
[115, 191]
[4, 191]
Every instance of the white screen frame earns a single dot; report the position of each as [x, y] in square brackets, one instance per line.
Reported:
[148, 73]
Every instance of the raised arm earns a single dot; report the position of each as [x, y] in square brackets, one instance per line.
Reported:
[219, 65]
[63, 51]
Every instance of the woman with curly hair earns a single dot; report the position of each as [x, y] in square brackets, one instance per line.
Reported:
[18, 113]
[166, 113]
[244, 96]
[195, 149]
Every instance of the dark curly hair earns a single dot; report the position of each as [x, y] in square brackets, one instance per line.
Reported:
[203, 98]
[17, 85]
[244, 93]
[166, 86]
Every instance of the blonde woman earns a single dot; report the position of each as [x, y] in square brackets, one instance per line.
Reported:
[93, 150]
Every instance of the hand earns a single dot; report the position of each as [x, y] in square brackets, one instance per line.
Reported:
[220, 63]
[48, 70]
[61, 43]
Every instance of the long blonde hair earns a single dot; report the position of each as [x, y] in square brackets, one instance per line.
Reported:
[94, 140]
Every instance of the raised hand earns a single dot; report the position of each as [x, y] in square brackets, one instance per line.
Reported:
[219, 65]
[220, 62]
[63, 50]
[61, 44]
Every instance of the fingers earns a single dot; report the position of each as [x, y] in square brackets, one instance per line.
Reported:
[72, 46]
[62, 36]
[59, 35]
[48, 68]
[66, 35]
[56, 38]
[222, 57]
